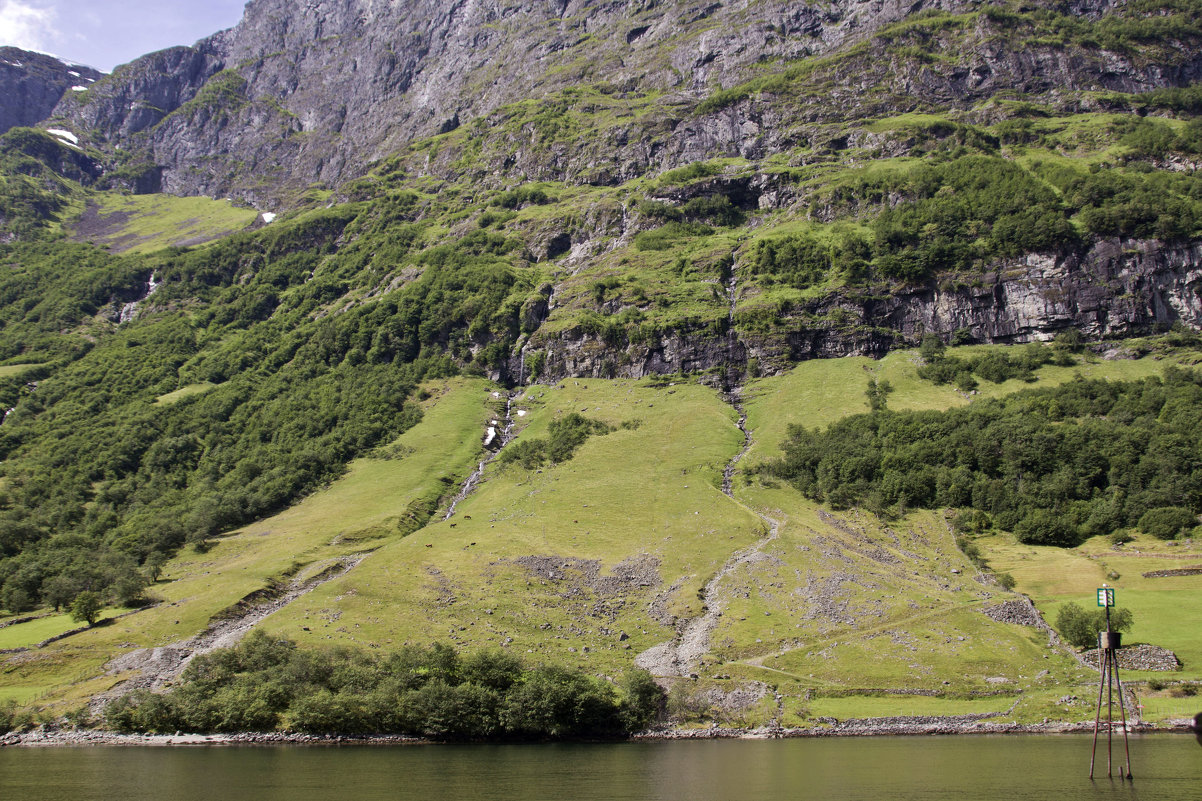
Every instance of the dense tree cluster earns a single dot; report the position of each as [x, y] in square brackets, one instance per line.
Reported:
[1053, 465]
[267, 683]
[995, 366]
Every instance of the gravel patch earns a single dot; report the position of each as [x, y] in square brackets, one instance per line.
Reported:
[1140, 657]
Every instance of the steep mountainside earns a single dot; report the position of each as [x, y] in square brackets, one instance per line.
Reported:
[317, 93]
[293, 96]
[31, 85]
[642, 225]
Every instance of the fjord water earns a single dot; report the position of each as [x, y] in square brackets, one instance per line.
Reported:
[1166, 767]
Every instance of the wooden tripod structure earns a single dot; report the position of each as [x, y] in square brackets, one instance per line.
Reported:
[1108, 645]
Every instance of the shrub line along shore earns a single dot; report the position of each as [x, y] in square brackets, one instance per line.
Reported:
[869, 727]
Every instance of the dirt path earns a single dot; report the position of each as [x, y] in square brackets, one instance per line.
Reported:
[158, 666]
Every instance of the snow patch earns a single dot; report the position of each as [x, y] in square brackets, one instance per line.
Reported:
[66, 136]
[73, 73]
[521, 412]
[268, 216]
[79, 88]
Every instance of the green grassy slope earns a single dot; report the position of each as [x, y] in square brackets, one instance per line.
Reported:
[599, 559]
[146, 223]
[569, 557]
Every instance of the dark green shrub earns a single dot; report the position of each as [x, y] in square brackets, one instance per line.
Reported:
[1166, 522]
[1046, 527]
[564, 435]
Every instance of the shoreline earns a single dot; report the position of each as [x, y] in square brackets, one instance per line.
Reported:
[868, 727]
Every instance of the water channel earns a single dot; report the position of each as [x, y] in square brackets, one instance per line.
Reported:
[977, 768]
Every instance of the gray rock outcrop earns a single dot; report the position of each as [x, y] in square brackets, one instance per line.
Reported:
[1117, 288]
[31, 85]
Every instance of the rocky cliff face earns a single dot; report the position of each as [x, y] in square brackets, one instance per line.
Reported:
[31, 85]
[297, 94]
[317, 92]
[1116, 289]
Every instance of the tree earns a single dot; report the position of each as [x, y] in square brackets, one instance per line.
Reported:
[59, 591]
[1080, 628]
[876, 393]
[642, 700]
[153, 566]
[86, 607]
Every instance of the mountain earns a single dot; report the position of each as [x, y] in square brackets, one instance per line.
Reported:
[497, 315]
[32, 84]
[318, 95]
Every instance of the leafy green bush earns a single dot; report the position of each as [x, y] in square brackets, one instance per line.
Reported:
[1080, 627]
[1046, 527]
[564, 435]
[522, 196]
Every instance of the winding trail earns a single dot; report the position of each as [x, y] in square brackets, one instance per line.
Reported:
[504, 438]
[682, 655]
[158, 666]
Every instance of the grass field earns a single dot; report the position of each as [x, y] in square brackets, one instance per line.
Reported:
[560, 562]
[26, 635]
[184, 392]
[15, 369]
[144, 223]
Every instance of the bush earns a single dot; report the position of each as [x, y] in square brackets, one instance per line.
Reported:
[8, 715]
[1046, 527]
[564, 435]
[1080, 627]
[1166, 522]
[1121, 537]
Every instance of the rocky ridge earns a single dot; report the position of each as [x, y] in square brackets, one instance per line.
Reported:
[32, 84]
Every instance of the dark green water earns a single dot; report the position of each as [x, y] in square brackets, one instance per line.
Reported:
[1166, 767]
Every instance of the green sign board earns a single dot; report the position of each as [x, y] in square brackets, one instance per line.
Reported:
[1105, 596]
